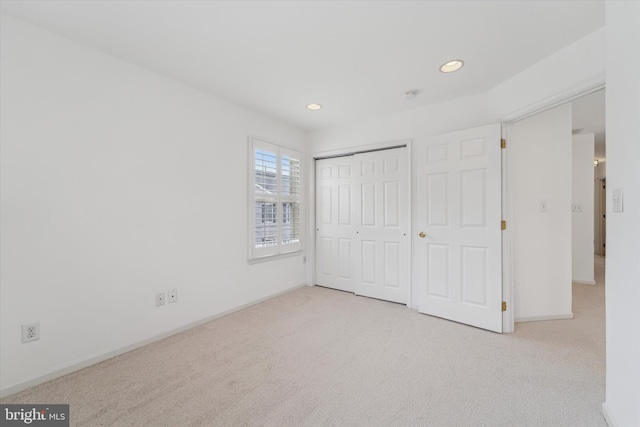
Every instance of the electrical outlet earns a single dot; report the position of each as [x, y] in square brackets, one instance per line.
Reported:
[173, 295]
[160, 299]
[31, 332]
[543, 205]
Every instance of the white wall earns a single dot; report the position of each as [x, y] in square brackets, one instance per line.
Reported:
[566, 73]
[428, 120]
[539, 152]
[582, 228]
[117, 184]
[622, 407]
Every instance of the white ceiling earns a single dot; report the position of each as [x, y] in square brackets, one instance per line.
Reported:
[356, 58]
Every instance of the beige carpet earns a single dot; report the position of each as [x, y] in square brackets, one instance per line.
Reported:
[321, 357]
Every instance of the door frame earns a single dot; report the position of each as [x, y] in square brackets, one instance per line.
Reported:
[507, 121]
[311, 202]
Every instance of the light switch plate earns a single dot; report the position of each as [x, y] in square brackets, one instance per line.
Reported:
[618, 202]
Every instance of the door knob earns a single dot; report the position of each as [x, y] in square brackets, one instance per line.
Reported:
[422, 234]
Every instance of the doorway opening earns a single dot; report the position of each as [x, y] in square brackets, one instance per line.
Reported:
[555, 248]
[589, 189]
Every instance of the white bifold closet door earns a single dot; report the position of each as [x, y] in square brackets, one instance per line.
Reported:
[335, 223]
[362, 224]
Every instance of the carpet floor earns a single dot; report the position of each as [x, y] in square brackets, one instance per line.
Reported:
[318, 357]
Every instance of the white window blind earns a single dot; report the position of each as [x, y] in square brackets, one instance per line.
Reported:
[275, 178]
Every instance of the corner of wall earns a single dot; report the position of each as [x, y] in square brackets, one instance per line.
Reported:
[608, 416]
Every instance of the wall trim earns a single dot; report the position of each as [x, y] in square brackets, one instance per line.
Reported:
[542, 318]
[584, 282]
[585, 88]
[92, 360]
[608, 416]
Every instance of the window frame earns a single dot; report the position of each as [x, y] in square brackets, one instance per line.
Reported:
[280, 249]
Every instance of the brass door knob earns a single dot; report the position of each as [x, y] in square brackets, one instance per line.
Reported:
[422, 234]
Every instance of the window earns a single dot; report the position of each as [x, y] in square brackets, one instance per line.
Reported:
[275, 200]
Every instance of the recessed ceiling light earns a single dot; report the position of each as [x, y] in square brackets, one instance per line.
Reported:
[314, 107]
[451, 66]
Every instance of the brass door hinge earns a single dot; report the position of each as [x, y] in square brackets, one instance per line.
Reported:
[503, 143]
[504, 306]
[503, 225]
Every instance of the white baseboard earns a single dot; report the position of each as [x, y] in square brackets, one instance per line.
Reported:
[584, 282]
[541, 318]
[608, 417]
[92, 360]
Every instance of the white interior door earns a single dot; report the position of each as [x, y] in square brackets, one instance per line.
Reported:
[335, 228]
[382, 218]
[457, 262]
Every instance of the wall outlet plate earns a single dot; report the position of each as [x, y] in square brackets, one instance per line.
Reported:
[172, 295]
[31, 332]
[160, 298]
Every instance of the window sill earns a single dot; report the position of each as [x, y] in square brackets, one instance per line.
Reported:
[274, 257]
